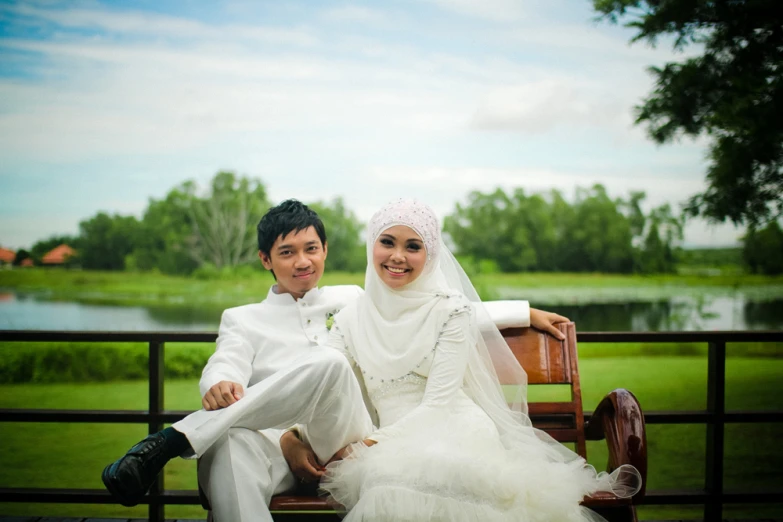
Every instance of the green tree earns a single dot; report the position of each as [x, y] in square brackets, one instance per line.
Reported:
[658, 253]
[487, 228]
[763, 249]
[600, 234]
[165, 230]
[544, 232]
[106, 240]
[732, 93]
[343, 233]
[21, 255]
[223, 222]
[191, 228]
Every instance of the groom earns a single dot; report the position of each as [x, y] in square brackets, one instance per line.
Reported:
[269, 372]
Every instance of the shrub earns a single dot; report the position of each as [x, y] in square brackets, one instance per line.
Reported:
[95, 362]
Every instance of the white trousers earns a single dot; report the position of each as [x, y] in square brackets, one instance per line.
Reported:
[241, 467]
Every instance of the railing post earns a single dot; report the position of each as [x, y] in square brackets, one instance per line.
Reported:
[156, 507]
[716, 406]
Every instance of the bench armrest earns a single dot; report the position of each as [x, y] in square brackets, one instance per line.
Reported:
[619, 419]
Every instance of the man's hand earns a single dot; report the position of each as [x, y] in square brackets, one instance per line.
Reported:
[300, 458]
[546, 321]
[224, 393]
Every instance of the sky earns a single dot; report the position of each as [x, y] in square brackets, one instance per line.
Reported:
[106, 104]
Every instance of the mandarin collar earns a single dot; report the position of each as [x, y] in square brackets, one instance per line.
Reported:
[287, 299]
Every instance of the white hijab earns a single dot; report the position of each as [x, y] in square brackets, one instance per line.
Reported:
[390, 331]
[396, 328]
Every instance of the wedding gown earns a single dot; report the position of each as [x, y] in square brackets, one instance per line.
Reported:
[439, 456]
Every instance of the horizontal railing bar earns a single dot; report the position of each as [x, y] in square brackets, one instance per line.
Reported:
[676, 337]
[690, 496]
[88, 496]
[206, 337]
[92, 416]
[171, 416]
[704, 417]
[103, 336]
[190, 497]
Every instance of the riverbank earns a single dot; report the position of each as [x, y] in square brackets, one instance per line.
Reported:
[154, 289]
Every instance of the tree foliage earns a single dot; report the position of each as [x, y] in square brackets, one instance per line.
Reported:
[343, 232]
[106, 240]
[165, 227]
[223, 222]
[762, 249]
[211, 233]
[20, 256]
[544, 232]
[732, 93]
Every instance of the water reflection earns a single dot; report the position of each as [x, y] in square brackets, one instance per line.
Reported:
[703, 313]
[678, 314]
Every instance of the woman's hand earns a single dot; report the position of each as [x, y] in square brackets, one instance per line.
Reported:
[546, 321]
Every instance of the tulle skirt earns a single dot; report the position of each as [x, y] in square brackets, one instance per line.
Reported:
[455, 468]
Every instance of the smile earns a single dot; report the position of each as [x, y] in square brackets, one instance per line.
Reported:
[396, 271]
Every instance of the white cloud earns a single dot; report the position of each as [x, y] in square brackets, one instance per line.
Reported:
[537, 107]
[356, 13]
[163, 26]
[494, 10]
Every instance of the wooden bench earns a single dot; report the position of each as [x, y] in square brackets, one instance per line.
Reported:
[618, 419]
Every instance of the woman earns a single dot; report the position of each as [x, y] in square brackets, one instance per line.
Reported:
[448, 445]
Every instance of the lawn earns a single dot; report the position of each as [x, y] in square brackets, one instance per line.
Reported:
[154, 289]
[72, 455]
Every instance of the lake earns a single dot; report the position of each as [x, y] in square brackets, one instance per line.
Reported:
[27, 312]
[689, 313]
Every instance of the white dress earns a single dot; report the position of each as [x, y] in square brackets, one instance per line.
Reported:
[439, 457]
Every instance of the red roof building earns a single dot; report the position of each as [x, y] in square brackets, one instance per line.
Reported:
[28, 261]
[7, 256]
[58, 255]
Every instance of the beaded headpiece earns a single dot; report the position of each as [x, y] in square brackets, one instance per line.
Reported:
[413, 214]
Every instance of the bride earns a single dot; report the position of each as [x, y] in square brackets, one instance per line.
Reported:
[448, 447]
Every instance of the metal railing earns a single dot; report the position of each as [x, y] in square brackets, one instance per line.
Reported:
[715, 416]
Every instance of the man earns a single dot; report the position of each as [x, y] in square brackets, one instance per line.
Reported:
[269, 373]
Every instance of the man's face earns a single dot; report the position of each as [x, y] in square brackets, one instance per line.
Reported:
[297, 260]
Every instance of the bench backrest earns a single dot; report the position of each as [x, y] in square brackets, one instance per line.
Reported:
[550, 361]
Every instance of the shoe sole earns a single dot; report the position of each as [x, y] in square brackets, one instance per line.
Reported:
[114, 491]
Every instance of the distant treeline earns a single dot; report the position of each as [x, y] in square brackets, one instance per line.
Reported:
[206, 233]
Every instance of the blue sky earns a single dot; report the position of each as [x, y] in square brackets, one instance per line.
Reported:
[104, 105]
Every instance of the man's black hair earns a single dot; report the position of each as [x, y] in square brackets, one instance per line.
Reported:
[289, 216]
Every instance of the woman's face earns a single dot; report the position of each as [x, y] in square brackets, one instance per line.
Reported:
[399, 256]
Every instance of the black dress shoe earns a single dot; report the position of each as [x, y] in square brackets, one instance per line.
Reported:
[129, 478]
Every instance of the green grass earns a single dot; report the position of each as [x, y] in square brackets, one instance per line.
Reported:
[153, 289]
[72, 455]
[149, 288]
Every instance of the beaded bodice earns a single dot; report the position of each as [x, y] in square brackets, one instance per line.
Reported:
[396, 397]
